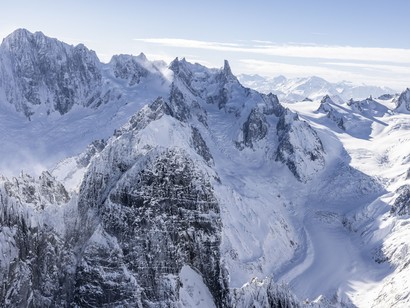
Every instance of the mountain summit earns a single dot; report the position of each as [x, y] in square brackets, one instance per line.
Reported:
[297, 89]
[177, 186]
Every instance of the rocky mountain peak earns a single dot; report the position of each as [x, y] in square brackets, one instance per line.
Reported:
[174, 65]
[45, 190]
[182, 70]
[326, 107]
[401, 205]
[209, 185]
[142, 56]
[19, 36]
[226, 74]
[227, 69]
[133, 68]
[300, 148]
[326, 100]
[24, 41]
[280, 79]
[177, 65]
[42, 73]
[403, 102]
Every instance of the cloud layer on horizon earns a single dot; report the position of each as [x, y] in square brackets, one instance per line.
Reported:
[370, 65]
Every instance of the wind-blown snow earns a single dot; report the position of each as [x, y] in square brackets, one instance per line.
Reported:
[308, 199]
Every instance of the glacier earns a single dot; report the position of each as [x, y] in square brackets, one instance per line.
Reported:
[154, 185]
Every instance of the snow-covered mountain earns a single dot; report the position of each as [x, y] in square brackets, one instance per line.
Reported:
[298, 89]
[65, 98]
[195, 191]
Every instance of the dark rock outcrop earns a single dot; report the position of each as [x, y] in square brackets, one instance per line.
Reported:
[403, 102]
[326, 108]
[31, 247]
[152, 235]
[368, 107]
[200, 146]
[38, 70]
[299, 147]
[264, 293]
[130, 68]
[401, 205]
[255, 128]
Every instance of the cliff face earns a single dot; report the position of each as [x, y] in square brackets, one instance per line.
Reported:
[159, 217]
[41, 75]
[403, 102]
[140, 217]
[193, 190]
[145, 212]
[31, 240]
[40, 71]
[155, 210]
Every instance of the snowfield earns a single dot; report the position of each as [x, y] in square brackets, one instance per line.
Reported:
[296, 202]
[351, 240]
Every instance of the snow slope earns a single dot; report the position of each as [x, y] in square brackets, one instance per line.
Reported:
[306, 198]
[96, 106]
[363, 243]
[298, 89]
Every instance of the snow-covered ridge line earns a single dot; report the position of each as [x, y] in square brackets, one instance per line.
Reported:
[314, 87]
[200, 191]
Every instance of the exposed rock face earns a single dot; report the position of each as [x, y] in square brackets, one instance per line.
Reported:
[40, 193]
[299, 146]
[133, 69]
[401, 205]
[156, 212]
[255, 128]
[272, 106]
[178, 103]
[30, 245]
[386, 96]
[141, 218]
[213, 86]
[147, 207]
[37, 70]
[326, 107]
[263, 293]
[403, 102]
[95, 147]
[368, 107]
[188, 223]
[200, 145]
[129, 68]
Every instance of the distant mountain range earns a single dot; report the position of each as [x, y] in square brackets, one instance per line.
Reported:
[297, 89]
[155, 185]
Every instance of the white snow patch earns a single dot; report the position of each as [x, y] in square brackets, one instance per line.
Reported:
[193, 291]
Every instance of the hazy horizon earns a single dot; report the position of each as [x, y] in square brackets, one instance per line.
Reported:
[362, 42]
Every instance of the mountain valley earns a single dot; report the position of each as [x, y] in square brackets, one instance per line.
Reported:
[153, 185]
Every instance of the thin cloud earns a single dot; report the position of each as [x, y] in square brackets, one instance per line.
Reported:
[184, 43]
[262, 42]
[270, 68]
[396, 69]
[391, 55]
[378, 66]
[346, 53]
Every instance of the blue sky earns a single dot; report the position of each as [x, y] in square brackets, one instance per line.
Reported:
[362, 41]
